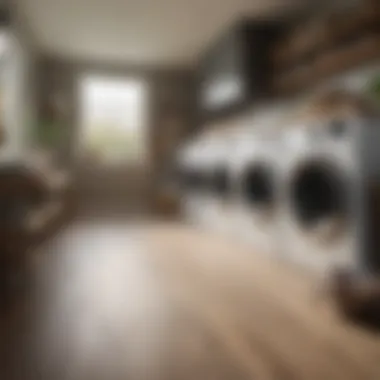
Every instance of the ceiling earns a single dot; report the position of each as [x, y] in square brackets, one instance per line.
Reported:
[148, 32]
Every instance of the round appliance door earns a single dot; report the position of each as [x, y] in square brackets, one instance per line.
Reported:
[318, 193]
[258, 188]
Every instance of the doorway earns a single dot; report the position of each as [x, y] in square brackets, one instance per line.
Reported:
[113, 118]
[113, 141]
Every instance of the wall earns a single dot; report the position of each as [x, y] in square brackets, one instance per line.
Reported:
[18, 93]
[170, 91]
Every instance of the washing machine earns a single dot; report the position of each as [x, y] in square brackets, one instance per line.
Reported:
[191, 179]
[254, 168]
[221, 188]
[330, 195]
[204, 182]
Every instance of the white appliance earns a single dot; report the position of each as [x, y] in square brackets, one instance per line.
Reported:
[329, 195]
[255, 169]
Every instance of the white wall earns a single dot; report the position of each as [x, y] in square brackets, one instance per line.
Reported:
[17, 99]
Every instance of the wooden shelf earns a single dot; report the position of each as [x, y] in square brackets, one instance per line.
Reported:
[321, 48]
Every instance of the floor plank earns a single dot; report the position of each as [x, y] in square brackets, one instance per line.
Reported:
[116, 300]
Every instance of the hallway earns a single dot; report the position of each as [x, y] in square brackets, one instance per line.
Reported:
[115, 300]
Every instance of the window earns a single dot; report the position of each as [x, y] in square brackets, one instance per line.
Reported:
[113, 119]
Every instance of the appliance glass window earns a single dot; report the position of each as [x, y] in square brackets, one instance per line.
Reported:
[258, 185]
[318, 192]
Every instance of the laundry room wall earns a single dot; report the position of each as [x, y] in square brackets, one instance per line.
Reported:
[169, 119]
[18, 105]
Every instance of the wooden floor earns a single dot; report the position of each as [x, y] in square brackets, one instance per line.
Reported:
[112, 300]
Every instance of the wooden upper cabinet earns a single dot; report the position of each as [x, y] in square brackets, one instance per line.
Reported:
[325, 45]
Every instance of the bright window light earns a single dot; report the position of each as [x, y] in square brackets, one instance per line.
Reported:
[113, 119]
